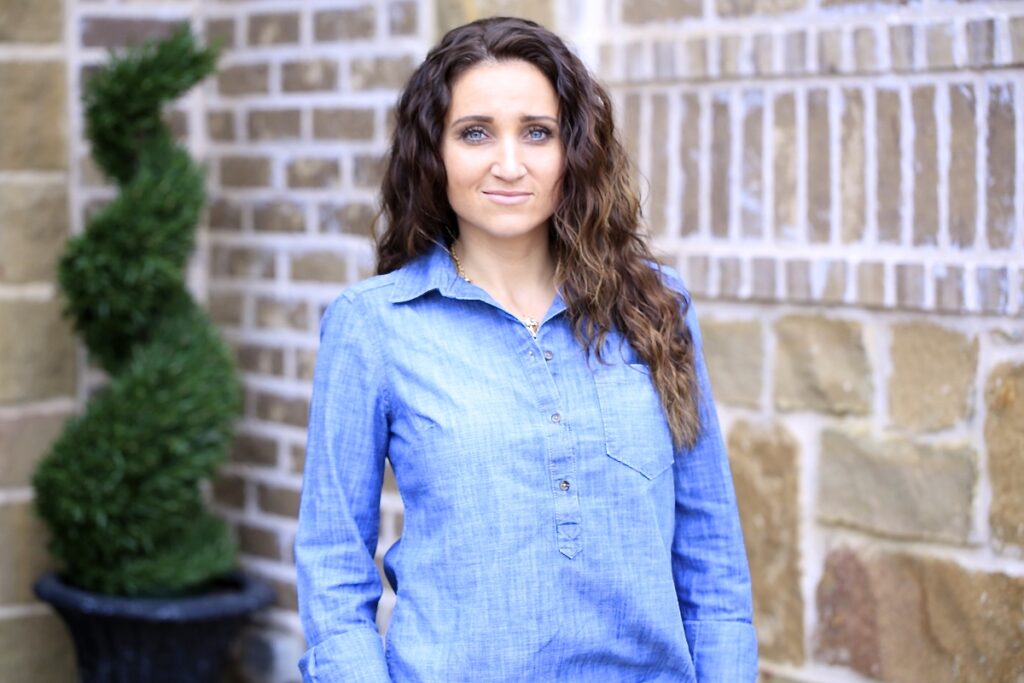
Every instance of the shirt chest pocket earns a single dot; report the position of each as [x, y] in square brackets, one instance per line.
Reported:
[635, 429]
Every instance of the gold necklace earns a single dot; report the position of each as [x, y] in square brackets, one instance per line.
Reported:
[532, 324]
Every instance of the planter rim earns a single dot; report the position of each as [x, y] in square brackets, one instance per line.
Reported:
[248, 595]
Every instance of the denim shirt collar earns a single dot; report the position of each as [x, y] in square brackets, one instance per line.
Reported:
[435, 271]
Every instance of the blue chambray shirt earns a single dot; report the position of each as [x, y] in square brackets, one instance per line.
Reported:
[551, 531]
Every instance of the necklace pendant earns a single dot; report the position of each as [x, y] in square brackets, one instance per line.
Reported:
[532, 324]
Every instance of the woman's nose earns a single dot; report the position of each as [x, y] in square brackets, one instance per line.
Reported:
[509, 164]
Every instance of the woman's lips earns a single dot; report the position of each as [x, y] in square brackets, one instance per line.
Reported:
[505, 197]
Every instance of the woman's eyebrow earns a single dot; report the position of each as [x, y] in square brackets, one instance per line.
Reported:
[526, 118]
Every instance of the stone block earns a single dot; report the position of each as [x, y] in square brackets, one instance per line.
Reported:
[345, 24]
[319, 267]
[31, 22]
[368, 171]
[963, 193]
[37, 649]
[798, 280]
[244, 79]
[734, 354]
[933, 376]
[1001, 177]
[314, 173]
[33, 225]
[275, 124]
[1004, 442]
[904, 618]
[830, 51]
[762, 279]
[279, 217]
[853, 178]
[243, 172]
[279, 28]
[819, 183]
[278, 500]
[33, 116]
[376, 73]
[821, 365]
[889, 131]
[37, 352]
[345, 123]
[895, 486]
[305, 364]
[116, 32]
[784, 164]
[765, 468]
[25, 557]
[981, 43]
[221, 31]
[452, 13]
[309, 75]
[248, 449]
[23, 443]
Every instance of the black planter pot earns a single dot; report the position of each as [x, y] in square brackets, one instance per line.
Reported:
[154, 640]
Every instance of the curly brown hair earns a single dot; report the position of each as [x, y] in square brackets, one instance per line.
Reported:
[603, 265]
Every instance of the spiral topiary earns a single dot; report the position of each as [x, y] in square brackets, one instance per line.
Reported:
[120, 488]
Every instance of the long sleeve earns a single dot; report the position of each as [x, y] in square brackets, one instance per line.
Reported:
[710, 566]
[338, 583]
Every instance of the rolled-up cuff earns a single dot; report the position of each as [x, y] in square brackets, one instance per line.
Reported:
[356, 656]
[723, 651]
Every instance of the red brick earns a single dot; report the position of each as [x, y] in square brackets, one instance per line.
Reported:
[345, 24]
[274, 124]
[110, 32]
[253, 540]
[819, 184]
[244, 171]
[853, 178]
[926, 176]
[1002, 147]
[309, 173]
[244, 79]
[351, 218]
[690, 155]
[278, 500]
[279, 217]
[784, 139]
[221, 125]
[887, 146]
[242, 263]
[962, 184]
[273, 29]
[229, 490]
[344, 123]
[309, 75]
[720, 161]
[751, 205]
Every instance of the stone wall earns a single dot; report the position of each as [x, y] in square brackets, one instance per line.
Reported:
[38, 380]
[839, 182]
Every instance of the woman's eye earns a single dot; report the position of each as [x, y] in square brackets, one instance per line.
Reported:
[473, 134]
[538, 134]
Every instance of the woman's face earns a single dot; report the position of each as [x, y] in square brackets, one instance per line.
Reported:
[501, 150]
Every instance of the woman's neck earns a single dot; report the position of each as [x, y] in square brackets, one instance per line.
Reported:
[518, 273]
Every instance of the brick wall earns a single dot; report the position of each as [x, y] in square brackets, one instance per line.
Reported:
[838, 181]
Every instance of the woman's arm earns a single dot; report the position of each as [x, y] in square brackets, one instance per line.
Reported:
[338, 583]
[709, 561]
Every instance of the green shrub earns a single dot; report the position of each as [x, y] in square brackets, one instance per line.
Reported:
[120, 488]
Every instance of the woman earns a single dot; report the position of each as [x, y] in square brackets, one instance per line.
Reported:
[536, 382]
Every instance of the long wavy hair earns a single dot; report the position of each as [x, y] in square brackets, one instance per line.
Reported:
[603, 265]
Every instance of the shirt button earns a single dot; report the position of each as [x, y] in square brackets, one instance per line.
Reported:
[564, 485]
[556, 418]
[548, 355]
